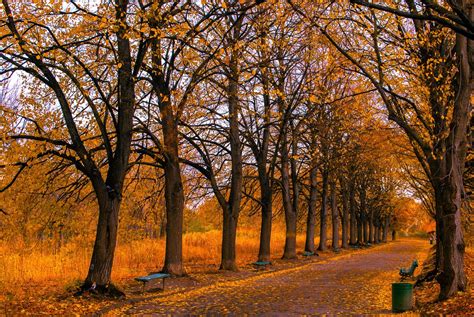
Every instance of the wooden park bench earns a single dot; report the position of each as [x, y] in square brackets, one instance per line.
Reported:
[151, 277]
[308, 253]
[261, 264]
[405, 273]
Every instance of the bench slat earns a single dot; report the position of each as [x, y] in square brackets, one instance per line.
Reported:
[263, 263]
[152, 277]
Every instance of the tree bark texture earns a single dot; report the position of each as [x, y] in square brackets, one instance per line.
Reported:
[312, 203]
[323, 214]
[345, 216]
[335, 216]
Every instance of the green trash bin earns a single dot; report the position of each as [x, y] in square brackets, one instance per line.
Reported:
[402, 297]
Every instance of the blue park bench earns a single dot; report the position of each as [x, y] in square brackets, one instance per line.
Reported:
[261, 264]
[405, 273]
[151, 277]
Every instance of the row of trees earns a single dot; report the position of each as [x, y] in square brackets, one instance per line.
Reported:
[243, 100]
[435, 114]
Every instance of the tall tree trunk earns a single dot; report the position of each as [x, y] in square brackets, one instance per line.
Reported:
[375, 241]
[264, 175]
[363, 215]
[365, 231]
[381, 231]
[294, 177]
[372, 232]
[360, 239]
[229, 234]
[448, 177]
[290, 215]
[231, 214]
[266, 227]
[335, 216]
[323, 214]
[381, 226]
[312, 203]
[100, 267]
[353, 211]
[345, 215]
[386, 226]
[450, 243]
[174, 195]
[376, 232]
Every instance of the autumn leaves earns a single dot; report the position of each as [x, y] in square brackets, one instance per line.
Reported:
[246, 103]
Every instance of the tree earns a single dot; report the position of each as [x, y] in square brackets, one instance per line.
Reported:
[59, 56]
[224, 134]
[288, 78]
[258, 125]
[436, 125]
[444, 159]
[174, 33]
[452, 14]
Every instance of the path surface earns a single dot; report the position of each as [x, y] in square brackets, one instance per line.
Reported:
[349, 283]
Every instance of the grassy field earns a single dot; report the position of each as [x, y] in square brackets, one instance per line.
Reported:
[39, 270]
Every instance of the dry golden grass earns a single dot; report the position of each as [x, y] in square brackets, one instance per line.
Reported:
[29, 272]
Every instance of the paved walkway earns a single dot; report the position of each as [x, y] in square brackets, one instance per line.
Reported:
[348, 283]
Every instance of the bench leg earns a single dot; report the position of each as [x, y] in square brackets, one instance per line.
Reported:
[143, 287]
[164, 283]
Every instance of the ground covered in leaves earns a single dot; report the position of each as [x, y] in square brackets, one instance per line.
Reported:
[461, 304]
[352, 281]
